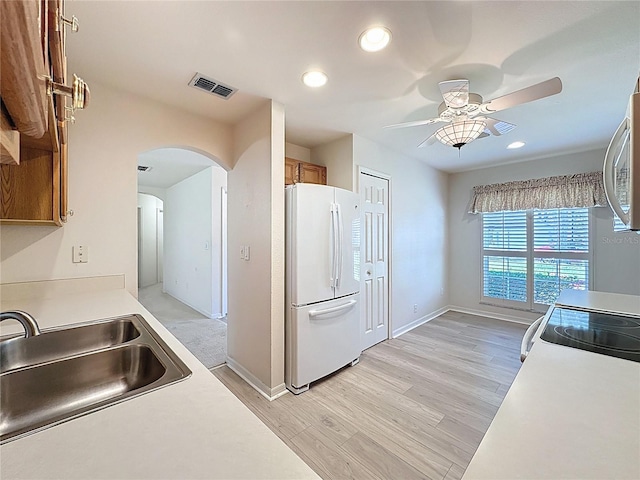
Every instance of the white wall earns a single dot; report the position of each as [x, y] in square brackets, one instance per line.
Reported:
[418, 229]
[255, 334]
[149, 240]
[337, 156]
[192, 241]
[297, 152]
[616, 256]
[103, 147]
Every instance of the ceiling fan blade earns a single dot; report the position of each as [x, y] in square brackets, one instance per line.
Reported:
[455, 93]
[429, 141]
[498, 127]
[413, 124]
[483, 135]
[529, 94]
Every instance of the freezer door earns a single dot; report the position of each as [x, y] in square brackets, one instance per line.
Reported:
[348, 267]
[321, 339]
[310, 247]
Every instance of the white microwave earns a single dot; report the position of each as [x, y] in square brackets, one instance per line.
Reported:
[621, 172]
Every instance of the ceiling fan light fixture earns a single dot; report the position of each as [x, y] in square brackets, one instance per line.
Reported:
[458, 134]
[314, 78]
[515, 145]
[374, 39]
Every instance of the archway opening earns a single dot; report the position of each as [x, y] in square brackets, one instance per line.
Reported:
[182, 247]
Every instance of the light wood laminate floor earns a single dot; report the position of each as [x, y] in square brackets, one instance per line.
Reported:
[414, 407]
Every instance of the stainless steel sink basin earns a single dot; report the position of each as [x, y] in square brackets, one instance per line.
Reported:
[122, 359]
[64, 342]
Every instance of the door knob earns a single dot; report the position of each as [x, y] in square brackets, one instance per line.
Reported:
[368, 272]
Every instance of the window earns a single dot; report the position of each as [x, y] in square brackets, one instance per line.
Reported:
[529, 257]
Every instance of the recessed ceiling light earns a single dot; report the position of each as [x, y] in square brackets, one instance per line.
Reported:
[314, 78]
[374, 39]
[515, 145]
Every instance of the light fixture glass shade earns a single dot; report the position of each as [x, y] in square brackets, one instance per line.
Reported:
[458, 134]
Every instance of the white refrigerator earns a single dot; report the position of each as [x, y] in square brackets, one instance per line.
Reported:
[322, 324]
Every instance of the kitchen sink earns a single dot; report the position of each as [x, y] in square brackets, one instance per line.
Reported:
[64, 342]
[80, 370]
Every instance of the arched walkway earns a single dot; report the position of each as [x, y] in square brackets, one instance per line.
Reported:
[186, 291]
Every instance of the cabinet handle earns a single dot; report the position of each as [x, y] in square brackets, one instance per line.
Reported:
[62, 21]
[67, 214]
[78, 91]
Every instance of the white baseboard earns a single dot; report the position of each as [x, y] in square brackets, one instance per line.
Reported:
[453, 308]
[420, 321]
[497, 316]
[277, 392]
[267, 392]
[197, 309]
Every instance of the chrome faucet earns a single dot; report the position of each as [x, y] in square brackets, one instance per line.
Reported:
[28, 322]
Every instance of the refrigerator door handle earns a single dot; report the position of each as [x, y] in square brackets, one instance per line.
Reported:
[339, 242]
[332, 310]
[334, 245]
[608, 172]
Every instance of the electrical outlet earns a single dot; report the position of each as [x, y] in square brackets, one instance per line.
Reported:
[415, 308]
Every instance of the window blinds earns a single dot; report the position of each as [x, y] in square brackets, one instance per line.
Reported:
[564, 230]
[504, 261]
[529, 257]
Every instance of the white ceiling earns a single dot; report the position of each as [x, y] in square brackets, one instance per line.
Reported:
[262, 48]
[170, 166]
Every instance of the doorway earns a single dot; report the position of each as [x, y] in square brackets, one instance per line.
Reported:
[185, 288]
[374, 278]
[150, 240]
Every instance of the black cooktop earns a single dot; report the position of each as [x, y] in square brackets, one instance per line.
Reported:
[605, 333]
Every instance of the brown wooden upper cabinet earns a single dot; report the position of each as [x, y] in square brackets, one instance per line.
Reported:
[34, 106]
[296, 171]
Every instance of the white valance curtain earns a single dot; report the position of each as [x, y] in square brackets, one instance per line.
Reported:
[568, 191]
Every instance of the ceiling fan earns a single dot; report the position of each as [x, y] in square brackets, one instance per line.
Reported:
[466, 115]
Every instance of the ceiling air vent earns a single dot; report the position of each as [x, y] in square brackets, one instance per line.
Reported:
[142, 168]
[212, 86]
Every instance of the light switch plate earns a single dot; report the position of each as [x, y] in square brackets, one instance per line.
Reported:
[80, 254]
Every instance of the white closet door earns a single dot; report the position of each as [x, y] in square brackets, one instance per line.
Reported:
[374, 200]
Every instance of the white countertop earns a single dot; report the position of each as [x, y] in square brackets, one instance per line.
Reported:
[195, 428]
[569, 413]
[600, 301]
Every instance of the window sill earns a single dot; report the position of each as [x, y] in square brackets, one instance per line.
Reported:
[510, 307]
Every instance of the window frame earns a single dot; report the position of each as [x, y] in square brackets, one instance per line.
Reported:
[530, 254]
